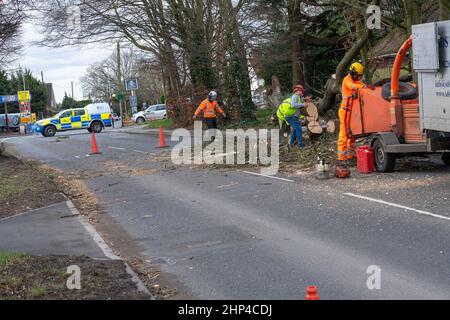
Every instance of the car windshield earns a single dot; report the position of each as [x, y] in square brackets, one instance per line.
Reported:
[59, 114]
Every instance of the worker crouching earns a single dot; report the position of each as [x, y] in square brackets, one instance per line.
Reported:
[290, 112]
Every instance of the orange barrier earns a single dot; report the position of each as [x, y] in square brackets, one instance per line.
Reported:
[312, 293]
[94, 147]
[162, 140]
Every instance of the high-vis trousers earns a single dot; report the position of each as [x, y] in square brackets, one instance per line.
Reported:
[346, 144]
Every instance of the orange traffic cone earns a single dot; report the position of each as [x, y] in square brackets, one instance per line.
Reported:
[162, 140]
[94, 148]
[312, 293]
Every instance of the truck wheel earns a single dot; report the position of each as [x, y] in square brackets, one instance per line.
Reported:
[446, 158]
[96, 127]
[384, 162]
[49, 131]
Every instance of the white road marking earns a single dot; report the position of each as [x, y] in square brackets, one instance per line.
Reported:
[426, 213]
[116, 148]
[78, 157]
[139, 151]
[29, 211]
[266, 176]
[105, 248]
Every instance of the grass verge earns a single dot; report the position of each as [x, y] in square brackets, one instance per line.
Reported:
[155, 124]
[25, 277]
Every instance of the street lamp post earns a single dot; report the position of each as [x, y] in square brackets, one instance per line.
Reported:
[109, 88]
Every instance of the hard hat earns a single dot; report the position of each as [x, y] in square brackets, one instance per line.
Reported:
[299, 87]
[357, 68]
[212, 95]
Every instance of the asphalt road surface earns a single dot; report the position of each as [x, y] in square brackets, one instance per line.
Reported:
[228, 234]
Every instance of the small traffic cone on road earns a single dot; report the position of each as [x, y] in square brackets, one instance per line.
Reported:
[162, 140]
[312, 293]
[94, 148]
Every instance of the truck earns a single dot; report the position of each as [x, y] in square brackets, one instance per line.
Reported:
[12, 123]
[409, 118]
[94, 117]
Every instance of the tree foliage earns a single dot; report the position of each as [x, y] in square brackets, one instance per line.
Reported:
[11, 83]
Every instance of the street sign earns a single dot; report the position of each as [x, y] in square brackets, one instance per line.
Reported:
[25, 107]
[24, 96]
[131, 84]
[12, 98]
[133, 101]
[120, 96]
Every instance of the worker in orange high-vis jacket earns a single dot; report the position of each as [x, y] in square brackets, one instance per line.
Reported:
[350, 85]
[210, 109]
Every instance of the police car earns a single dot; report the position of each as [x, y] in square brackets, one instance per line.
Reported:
[94, 117]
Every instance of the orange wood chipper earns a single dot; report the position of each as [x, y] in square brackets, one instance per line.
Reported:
[409, 118]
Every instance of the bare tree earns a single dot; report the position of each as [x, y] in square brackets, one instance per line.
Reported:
[100, 80]
[142, 23]
[12, 15]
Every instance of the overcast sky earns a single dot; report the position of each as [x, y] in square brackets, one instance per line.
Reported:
[60, 66]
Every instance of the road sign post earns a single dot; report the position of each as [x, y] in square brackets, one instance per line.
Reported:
[133, 103]
[131, 84]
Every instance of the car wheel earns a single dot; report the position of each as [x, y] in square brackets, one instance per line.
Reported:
[384, 162]
[446, 158]
[96, 127]
[90, 130]
[49, 131]
[140, 120]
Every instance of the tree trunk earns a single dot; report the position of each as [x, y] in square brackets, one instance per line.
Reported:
[332, 86]
[297, 37]
[413, 13]
[237, 86]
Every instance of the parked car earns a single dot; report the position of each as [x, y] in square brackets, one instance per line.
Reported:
[155, 112]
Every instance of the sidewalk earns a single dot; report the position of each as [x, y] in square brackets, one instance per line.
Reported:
[51, 230]
[54, 236]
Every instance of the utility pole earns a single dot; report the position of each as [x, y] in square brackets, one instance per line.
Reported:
[119, 80]
[23, 78]
[71, 84]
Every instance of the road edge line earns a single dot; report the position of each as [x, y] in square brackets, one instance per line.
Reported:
[31, 210]
[422, 212]
[266, 176]
[107, 251]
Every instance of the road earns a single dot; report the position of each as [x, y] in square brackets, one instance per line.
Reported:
[227, 234]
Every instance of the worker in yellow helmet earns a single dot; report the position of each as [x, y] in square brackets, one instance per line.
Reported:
[350, 85]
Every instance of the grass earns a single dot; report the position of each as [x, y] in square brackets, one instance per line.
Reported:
[155, 124]
[9, 257]
[262, 120]
[9, 183]
[38, 291]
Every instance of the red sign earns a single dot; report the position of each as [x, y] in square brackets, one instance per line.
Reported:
[25, 107]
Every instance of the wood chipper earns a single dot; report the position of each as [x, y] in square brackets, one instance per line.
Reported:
[409, 118]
